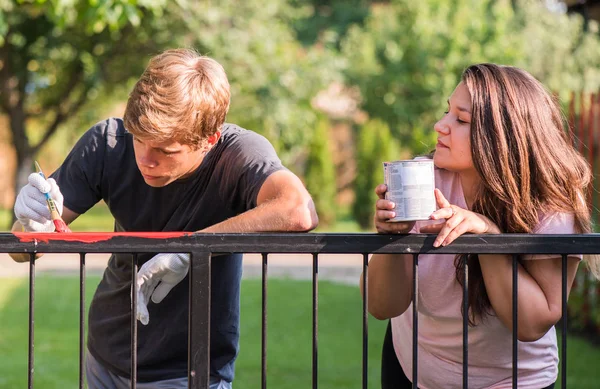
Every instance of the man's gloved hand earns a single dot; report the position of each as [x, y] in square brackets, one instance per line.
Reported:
[157, 277]
[30, 206]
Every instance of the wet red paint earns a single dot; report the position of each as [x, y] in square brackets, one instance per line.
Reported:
[61, 226]
[92, 237]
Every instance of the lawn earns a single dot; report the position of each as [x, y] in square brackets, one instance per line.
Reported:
[290, 334]
[289, 329]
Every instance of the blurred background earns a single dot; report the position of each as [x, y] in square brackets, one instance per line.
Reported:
[338, 87]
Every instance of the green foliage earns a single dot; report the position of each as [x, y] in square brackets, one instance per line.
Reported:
[409, 56]
[584, 303]
[273, 77]
[59, 51]
[327, 21]
[58, 56]
[558, 51]
[375, 145]
[320, 174]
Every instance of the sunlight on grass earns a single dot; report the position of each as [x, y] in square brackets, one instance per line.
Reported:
[289, 342]
[289, 336]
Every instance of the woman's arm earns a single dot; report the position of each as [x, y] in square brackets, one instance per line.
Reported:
[539, 281]
[389, 285]
[390, 277]
[539, 299]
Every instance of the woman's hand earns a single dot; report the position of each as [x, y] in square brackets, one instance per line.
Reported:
[385, 211]
[458, 221]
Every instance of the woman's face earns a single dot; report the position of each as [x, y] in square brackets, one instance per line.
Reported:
[453, 148]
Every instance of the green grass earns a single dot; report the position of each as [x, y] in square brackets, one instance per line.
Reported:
[96, 219]
[289, 339]
[289, 328]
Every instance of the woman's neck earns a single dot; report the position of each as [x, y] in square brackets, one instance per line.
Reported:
[470, 185]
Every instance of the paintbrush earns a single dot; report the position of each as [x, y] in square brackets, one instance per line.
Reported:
[59, 223]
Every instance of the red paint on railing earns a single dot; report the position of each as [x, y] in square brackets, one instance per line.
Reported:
[93, 237]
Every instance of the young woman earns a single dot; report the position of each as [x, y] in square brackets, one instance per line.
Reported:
[503, 165]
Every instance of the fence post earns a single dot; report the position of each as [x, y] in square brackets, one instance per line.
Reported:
[199, 321]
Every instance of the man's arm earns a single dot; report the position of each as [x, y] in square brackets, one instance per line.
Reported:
[283, 205]
[68, 216]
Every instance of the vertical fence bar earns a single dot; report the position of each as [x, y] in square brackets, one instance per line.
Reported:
[563, 350]
[315, 321]
[133, 330]
[466, 323]
[81, 320]
[515, 317]
[365, 318]
[199, 320]
[415, 302]
[30, 359]
[263, 346]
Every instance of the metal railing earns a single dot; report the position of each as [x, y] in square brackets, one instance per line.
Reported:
[203, 246]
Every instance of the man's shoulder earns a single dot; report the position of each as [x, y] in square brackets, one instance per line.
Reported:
[233, 131]
[233, 135]
[110, 132]
[110, 127]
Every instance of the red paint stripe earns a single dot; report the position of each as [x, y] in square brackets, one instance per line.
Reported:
[93, 237]
[61, 226]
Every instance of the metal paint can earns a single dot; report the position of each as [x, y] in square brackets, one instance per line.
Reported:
[410, 186]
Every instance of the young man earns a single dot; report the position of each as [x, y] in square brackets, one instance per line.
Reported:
[171, 164]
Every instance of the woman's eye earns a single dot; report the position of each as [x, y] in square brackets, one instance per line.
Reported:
[461, 121]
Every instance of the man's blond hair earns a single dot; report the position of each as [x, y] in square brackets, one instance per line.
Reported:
[181, 96]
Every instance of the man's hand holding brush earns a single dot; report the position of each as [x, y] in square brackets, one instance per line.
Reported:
[31, 208]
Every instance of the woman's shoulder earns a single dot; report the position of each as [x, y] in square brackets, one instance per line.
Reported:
[555, 222]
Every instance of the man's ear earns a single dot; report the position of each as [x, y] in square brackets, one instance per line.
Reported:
[214, 138]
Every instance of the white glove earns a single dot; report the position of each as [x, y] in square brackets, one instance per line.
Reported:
[166, 269]
[31, 208]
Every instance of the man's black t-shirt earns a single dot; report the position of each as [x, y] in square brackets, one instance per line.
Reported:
[102, 166]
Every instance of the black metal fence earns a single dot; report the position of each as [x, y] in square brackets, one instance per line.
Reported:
[203, 246]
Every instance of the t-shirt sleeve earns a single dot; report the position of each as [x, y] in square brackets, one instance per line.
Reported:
[554, 223]
[80, 175]
[251, 159]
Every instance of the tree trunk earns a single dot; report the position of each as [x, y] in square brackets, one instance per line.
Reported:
[23, 150]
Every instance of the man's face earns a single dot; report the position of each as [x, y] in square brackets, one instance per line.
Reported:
[161, 163]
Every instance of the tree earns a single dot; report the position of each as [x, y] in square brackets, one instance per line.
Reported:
[54, 60]
[56, 56]
[273, 77]
[375, 145]
[409, 56]
[320, 174]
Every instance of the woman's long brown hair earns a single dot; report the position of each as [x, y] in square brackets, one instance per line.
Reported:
[525, 160]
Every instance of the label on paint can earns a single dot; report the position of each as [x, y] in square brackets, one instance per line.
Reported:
[410, 186]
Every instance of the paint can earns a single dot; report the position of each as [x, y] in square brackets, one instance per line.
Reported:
[410, 186]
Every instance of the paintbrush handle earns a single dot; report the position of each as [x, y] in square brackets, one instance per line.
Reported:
[59, 223]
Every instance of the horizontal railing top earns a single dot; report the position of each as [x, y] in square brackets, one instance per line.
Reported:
[295, 243]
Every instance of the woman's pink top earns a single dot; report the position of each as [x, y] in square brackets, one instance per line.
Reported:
[490, 343]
